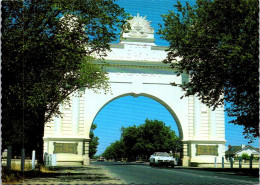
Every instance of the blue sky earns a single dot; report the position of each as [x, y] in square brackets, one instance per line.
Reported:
[128, 110]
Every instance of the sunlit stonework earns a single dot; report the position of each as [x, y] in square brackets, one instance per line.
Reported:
[135, 68]
[140, 27]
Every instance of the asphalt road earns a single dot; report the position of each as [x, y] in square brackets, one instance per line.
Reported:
[142, 173]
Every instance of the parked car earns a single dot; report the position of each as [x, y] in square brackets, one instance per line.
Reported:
[162, 158]
[102, 159]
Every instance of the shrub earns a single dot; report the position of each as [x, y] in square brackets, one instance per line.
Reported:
[245, 156]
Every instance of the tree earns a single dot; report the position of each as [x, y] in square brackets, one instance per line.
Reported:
[144, 140]
[129, 137]
[245, 156]
[156, 136]
[115, 151]
[46, 55]
[218, 45]
[93, 143]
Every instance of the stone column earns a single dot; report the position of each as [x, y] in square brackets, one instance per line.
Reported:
[197, 117]
[86, 160]
[75, 114]
[212, 125]
[58, 122]
[185, 154]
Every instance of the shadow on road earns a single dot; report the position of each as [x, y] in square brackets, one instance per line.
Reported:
[232, 171]
[228, 171]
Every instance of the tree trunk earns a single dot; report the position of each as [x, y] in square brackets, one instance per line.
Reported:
[40, 134]
[39, 149]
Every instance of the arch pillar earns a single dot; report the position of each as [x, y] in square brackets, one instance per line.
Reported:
[185, 154]
[86, 159]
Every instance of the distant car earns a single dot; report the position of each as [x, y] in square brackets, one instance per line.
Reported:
[162, 158]
[102, 159]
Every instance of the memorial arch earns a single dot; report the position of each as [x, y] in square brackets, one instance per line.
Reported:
[135, 68]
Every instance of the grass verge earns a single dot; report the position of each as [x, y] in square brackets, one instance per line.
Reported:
[60, 175]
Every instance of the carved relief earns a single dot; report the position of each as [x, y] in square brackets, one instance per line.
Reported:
[140, 27]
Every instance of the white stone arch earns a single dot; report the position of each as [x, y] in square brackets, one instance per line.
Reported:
[136, 68]
[169, 109]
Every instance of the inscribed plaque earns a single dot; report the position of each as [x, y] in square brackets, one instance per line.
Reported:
[65, 148]
[207, 150]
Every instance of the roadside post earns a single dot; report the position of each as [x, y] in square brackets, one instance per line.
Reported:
[231, 162]
[223, 162]
[33, 159]
[215, 162]
[53, 160]
[240, 162]
[251, 162]
[49, 160]
[9, 157]
[45, 159]
[23, 160]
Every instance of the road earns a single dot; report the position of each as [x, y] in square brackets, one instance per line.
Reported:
[142, 173]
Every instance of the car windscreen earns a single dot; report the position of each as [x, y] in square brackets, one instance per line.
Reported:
[163, 154]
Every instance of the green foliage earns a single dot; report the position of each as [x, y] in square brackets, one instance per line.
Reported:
[93, 143]
[218, 45]
[96, 157]
[143, 141]
[115, 151]
[46, 55]
[245, 156]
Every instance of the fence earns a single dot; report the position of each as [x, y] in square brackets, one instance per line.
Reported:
[240, 163]
[49, 160]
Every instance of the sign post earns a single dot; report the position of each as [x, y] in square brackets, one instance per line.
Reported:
[251, 162]
[240, 162]
[23, 160]
[33, 159]
[9, 157]
[231, 162]
[45, 159]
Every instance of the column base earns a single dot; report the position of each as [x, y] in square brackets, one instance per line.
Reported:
[86, 160]
[186, 161]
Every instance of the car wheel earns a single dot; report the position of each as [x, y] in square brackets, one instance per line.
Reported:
[173, 166]
[150, 164]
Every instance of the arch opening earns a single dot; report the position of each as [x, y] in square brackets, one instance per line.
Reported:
[141, 106]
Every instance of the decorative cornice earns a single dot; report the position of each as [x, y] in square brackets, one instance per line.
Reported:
[159, 48]
[138, 64]
[147, 40]
[117, 46]
[62, 138]
[144, 67]
[204, 141]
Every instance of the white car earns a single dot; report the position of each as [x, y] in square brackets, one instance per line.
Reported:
[162, 158]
